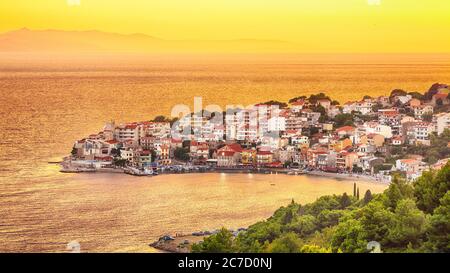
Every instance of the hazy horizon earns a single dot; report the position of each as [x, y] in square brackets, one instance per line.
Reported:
[321, 26]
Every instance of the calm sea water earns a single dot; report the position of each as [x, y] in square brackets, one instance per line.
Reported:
[45, 108]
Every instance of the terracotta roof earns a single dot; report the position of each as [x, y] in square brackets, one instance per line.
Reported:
[226, 153]
[345, 128]
[440, 96]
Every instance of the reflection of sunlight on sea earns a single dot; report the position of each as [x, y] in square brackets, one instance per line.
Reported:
[117, 212]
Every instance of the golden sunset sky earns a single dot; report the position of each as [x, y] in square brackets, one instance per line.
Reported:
[421, 26]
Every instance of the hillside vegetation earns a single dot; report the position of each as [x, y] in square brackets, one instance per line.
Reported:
[406, 217]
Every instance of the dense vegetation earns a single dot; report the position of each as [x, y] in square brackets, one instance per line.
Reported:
[406, 217]
[438, 149]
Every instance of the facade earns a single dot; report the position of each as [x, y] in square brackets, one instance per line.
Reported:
[442, 122]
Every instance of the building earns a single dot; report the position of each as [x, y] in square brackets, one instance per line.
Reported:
[397, 141]
[264, 158]
[421, 110]
[129, 132]
[442, 121]
[375, 140]
[143, 158]
[345, 131]
[229, 155]
[422, 132]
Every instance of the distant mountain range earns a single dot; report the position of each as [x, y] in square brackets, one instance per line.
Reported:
[25, 40]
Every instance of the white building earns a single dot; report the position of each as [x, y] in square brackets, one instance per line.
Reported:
[277, 124]
[422, 132]
[442, 122]
[376, 128]
[421, 110]
[126, 132]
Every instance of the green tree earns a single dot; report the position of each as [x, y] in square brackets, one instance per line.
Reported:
[431, 187]
[345, 201]
[398, 189]
[303, 225]
[439, 231]
[288, 217]
[343, 120]
[398, 92]
[119, 162]
[416, 95]
[329, 218]
[314, 249]
[182, 153]
[410, 224]
[288, 243]
[222, 242]
[376, 221]
[74, 151]
[367, 197]
[349, 237]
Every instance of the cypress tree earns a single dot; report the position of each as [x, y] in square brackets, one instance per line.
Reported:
[367, 197]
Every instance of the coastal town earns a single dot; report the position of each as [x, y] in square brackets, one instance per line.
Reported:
[404, 133]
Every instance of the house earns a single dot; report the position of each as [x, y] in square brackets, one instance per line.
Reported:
[327, 126]
[345, 160]
[129, 132]
[383, 100]
[147, 142]
[422, 133]
[349, 107]
[325, 103]
[312, 156]
[341, 144]
[364, 106]
[414, 103]
[300, 140]
[108, 130]
[440, 164]
[397, 140]
[421, 110]
[373, 127]
[229, 155]
[312, 117]
[143, 158]
[402, 99]
[295, 122]
[440, 99]
[442, 121]
[163, 154]
[127, 154]
[345, 131]
[369, 162]
[412, 167]
[176, 143]
[277, 124]
[391, 118]
[264, 158]
[297, 106]
[376, 140]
